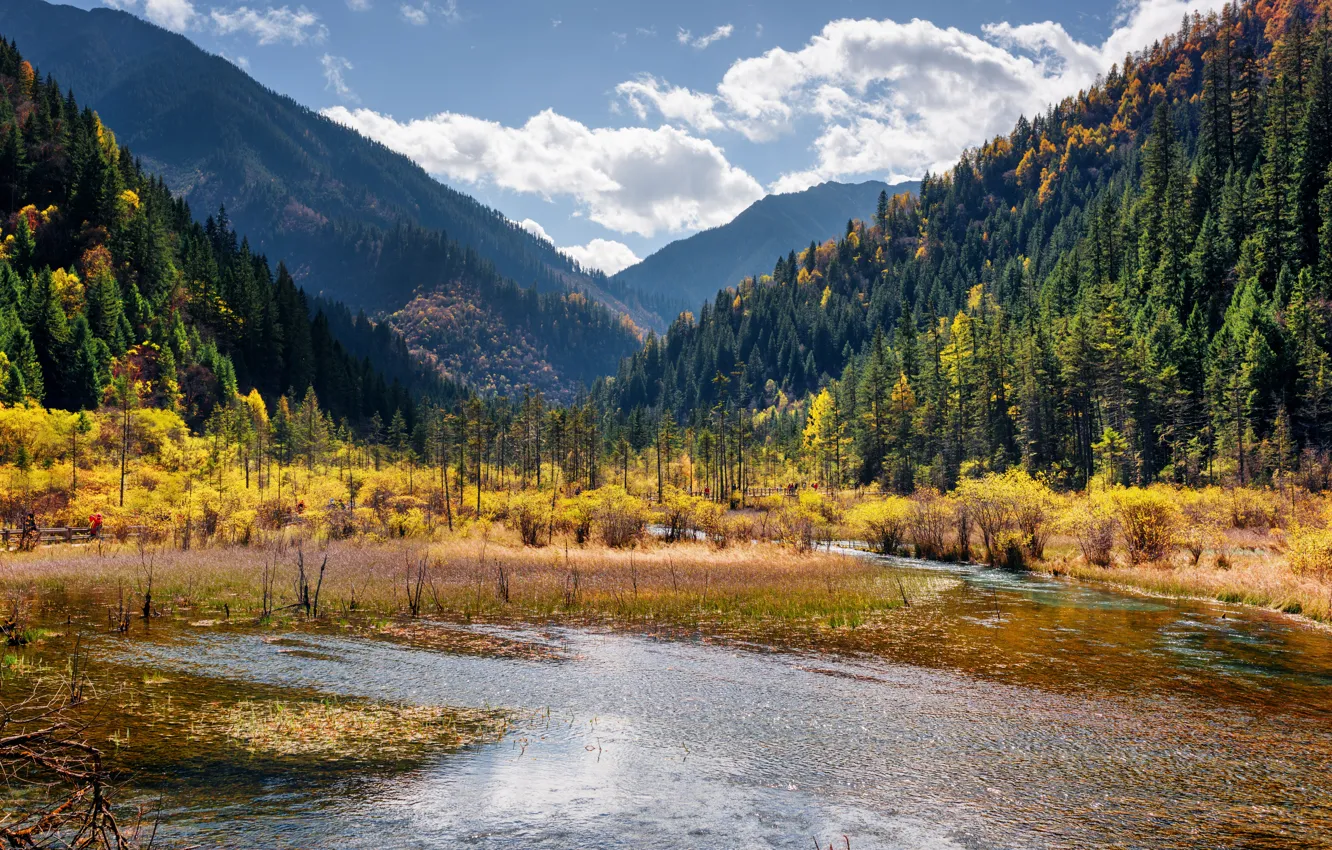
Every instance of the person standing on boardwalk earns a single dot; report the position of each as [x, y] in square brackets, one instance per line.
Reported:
[28, 540]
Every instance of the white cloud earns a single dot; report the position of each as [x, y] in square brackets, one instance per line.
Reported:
[605, 254]
[358, 5]
[175, 15]
[420, 15]
[534, 227]
[333, 79]
[897, 99]
[631, 180]
[272, 25]
[684, 36]
[673, 102]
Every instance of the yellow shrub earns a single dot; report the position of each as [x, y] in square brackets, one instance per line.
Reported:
[1149, 520]
[683, 514]
[883, 523]
[620, 518]
[1093, 522]
[930, 522]
[529, 514]
[1013, 501]
[1255, 509]
[1310, 553]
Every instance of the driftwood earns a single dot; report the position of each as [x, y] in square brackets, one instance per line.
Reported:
[66, 798]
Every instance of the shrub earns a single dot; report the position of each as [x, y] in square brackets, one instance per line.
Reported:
[1093, 523]
[1150, 522]
[1204, 513]
[1035, 509]
[529, 514]
[1253, 509]
[801, 525]
[1011, 502]
[620, 518]
[683, 514]
[882, 523]
[711, 519]
[929, 522]
[1310, 553]
[575, 516]
[1011, 549]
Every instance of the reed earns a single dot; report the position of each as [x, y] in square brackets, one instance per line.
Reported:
[489, 577]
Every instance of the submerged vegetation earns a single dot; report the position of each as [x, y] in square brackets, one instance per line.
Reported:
[349, 730]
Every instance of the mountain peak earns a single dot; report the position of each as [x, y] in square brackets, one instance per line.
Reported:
[696, 268]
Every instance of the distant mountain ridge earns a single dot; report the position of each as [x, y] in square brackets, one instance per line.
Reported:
[319, 195]
[695, 268]
[219, 137]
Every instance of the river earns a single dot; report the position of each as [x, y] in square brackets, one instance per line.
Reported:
[1010, 711]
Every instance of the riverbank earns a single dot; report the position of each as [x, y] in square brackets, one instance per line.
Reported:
[1251, 571]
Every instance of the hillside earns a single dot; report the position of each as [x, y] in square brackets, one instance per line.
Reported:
[1135, 284]
[694, 268]
[217, 137]
[109, 290]
[321, 196]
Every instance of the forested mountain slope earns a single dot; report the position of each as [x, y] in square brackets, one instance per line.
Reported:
[1137, 282]
[344, 212]
[219, 138]
[109, 290]
[694, 268]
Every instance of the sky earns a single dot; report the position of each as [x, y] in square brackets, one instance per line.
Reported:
[612, 129]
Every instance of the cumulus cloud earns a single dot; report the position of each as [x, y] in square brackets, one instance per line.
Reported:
[414, 15]
[334, 66]
[605, 254]
[175, 15]
[358, 5]
[674, 103]
[271, 25]
[898, 99]
[534, 227]
[702, 42]
[631, 180]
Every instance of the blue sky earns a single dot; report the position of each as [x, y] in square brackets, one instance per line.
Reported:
[614, 128]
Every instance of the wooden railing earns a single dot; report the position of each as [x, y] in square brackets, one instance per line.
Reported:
[63, 534]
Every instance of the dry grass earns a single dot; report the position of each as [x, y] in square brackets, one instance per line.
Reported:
[358, 730]
[1247, 569]
[489, 579]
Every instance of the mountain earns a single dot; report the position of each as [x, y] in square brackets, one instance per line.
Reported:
[110, 290]
[301, 187]
[1135, 284]
[693, 269]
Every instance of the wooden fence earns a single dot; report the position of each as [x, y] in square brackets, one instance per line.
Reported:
[63, 534]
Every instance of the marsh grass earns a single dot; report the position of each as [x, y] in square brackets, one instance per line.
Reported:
[1242, 570]
[489, 578]
[337, 729]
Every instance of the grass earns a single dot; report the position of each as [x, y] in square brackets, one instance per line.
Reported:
[349, 729]
[1251, 573]
[468, 579]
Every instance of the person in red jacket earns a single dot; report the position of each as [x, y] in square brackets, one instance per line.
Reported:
[95, 526]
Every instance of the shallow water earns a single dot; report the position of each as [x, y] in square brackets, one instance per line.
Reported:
[1011, 711]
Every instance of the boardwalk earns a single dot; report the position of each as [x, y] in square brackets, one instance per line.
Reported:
[62, 534]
